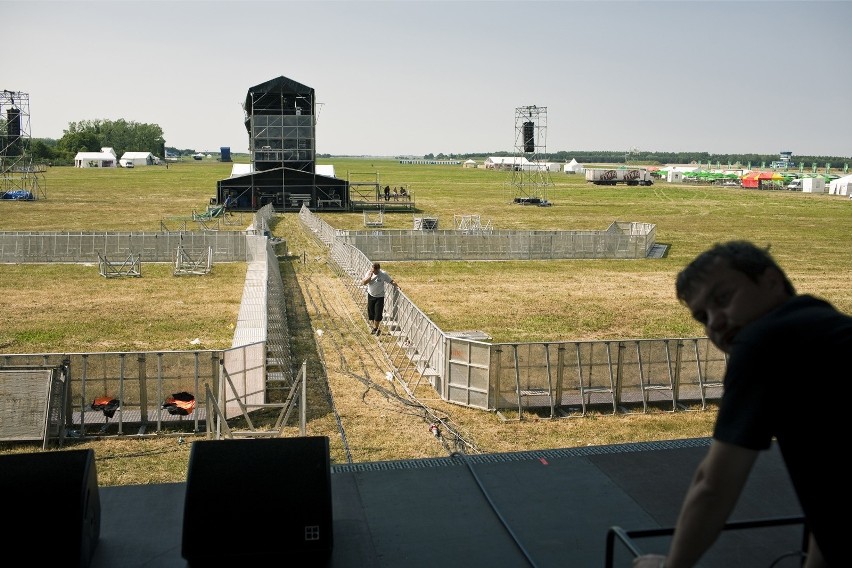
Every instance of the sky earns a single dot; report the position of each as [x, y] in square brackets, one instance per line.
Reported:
[412, 77]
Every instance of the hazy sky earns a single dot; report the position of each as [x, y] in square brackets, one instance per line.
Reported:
[414, 77]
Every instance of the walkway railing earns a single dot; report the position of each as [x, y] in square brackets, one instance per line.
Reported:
[562, 377]
[628, 537]
[142, 380]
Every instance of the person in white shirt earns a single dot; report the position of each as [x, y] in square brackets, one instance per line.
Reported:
[375, 281]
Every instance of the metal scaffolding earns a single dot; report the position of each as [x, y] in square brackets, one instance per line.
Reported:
[530, 174]
[19, 178]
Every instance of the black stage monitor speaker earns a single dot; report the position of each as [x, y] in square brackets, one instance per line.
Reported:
[258, 500]
[57, 511]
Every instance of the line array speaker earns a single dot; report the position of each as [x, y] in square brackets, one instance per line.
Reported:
[529, 137]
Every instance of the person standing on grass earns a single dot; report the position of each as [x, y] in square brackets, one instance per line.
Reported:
[375, 280]
[786, 354]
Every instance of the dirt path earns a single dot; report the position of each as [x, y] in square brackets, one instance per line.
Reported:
[370, 418]
[350, 398]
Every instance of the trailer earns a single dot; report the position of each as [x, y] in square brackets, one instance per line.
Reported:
[613, 176]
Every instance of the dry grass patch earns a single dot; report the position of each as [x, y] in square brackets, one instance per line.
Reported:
[72, 308]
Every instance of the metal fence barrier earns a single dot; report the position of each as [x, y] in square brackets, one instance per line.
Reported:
[57, 247]
[620, 240]
[142, 381]
[564, 377]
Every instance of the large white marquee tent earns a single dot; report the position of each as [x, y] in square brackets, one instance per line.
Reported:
[103, 159]
[138, 159]
[841, 186]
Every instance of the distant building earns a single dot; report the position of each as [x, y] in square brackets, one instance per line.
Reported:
[784, 161]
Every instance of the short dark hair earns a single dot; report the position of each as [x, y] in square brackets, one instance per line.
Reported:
[743, 256]
[376, 266]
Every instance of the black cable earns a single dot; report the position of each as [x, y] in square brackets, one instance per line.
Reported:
[502, 520]
[794, 554]
[317, 300]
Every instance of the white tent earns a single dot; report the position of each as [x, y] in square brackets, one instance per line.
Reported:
[103, 159]
[674, 176]
[541, 166]
[813, 185]
[505, 162]
[573, 167]
[241, 169]
[469, 164]
[326, 170]
[138, 159]
[841, 186]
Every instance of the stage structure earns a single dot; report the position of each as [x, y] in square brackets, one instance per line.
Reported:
[19, 178]
[280, 118]
[530, 175]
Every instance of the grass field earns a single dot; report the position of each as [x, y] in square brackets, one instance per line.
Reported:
[72, 308]
[512, 301]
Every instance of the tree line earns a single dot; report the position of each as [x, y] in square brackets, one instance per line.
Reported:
[92, 135]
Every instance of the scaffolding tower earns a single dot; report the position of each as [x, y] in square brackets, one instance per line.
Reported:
[19, 178]
[530, 175]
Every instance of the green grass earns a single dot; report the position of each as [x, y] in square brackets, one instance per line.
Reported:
[571, 299]
[594, 299]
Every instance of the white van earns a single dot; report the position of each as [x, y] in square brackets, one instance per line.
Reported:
[795, 185]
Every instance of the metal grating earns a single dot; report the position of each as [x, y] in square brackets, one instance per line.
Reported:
[522, 456]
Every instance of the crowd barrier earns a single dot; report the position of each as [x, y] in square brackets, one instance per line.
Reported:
[142, 381]
[561, 377]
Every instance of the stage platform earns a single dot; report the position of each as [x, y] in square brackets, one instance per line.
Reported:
[549, 508]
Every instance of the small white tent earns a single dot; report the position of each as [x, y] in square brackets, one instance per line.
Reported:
[103, 159]
[326, 170]
[813, 185]
[674, 176]
[138, 159]
[469, 164]
[241, 169]
[573, 167]
[841, 186]
[505, 162]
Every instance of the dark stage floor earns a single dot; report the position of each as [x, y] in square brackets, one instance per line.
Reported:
[547, 508]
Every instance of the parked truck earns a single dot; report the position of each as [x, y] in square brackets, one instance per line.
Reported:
[613, 176]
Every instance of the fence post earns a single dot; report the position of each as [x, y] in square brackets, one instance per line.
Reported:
[303, 399]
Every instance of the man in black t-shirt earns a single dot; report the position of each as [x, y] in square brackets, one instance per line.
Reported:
[782, 347]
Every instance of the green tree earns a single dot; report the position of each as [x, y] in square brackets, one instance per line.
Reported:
[42, 150]
[120, 135]
[80, 137]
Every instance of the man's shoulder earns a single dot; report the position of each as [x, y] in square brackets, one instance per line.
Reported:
[807, 318]
[806, 303]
